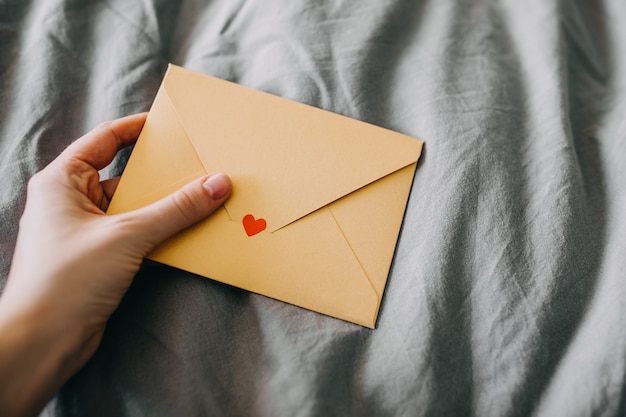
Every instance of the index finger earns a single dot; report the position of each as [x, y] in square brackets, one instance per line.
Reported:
[100, 145]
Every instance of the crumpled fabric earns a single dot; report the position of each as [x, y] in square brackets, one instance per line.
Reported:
[506, 294]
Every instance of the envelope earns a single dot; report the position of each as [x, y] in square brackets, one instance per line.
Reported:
[318, 199]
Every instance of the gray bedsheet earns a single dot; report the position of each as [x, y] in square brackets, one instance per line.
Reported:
[507, 292]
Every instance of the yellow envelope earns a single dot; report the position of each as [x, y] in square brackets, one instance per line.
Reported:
[317, 203]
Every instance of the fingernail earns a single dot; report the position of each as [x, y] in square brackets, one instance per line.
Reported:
[218, 185]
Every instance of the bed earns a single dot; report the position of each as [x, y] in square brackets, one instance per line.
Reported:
[506, 293]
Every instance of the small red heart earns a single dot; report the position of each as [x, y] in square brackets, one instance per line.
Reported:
[252, 225]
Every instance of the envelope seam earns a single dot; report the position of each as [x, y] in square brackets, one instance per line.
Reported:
[182, 125]
[325, 205]
[369, 280]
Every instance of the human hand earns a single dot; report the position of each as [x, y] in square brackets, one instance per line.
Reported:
[73, 264]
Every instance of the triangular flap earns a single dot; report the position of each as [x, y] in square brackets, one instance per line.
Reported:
[162, 161]
[286, 159]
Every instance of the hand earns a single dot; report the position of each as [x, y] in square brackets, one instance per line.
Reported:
[73, 264]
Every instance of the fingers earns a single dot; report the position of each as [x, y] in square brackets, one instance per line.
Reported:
[190, 204]
[109, 186]
[108, 189]
[99, 146]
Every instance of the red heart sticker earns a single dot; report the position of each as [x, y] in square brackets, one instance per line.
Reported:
[252, 225]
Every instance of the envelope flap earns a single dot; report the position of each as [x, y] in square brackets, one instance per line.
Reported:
[286, 159]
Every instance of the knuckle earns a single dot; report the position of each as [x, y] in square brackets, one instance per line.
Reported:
[110, 127]
[70, 165]
[185, 204]
[106, 125]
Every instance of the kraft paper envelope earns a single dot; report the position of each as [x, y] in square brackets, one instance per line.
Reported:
[317, 203]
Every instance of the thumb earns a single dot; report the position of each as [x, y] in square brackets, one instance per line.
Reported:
[181, 209]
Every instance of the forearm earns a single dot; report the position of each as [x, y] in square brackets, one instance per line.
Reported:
[37, 355]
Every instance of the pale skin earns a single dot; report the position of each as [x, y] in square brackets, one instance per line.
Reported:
[73, 263]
